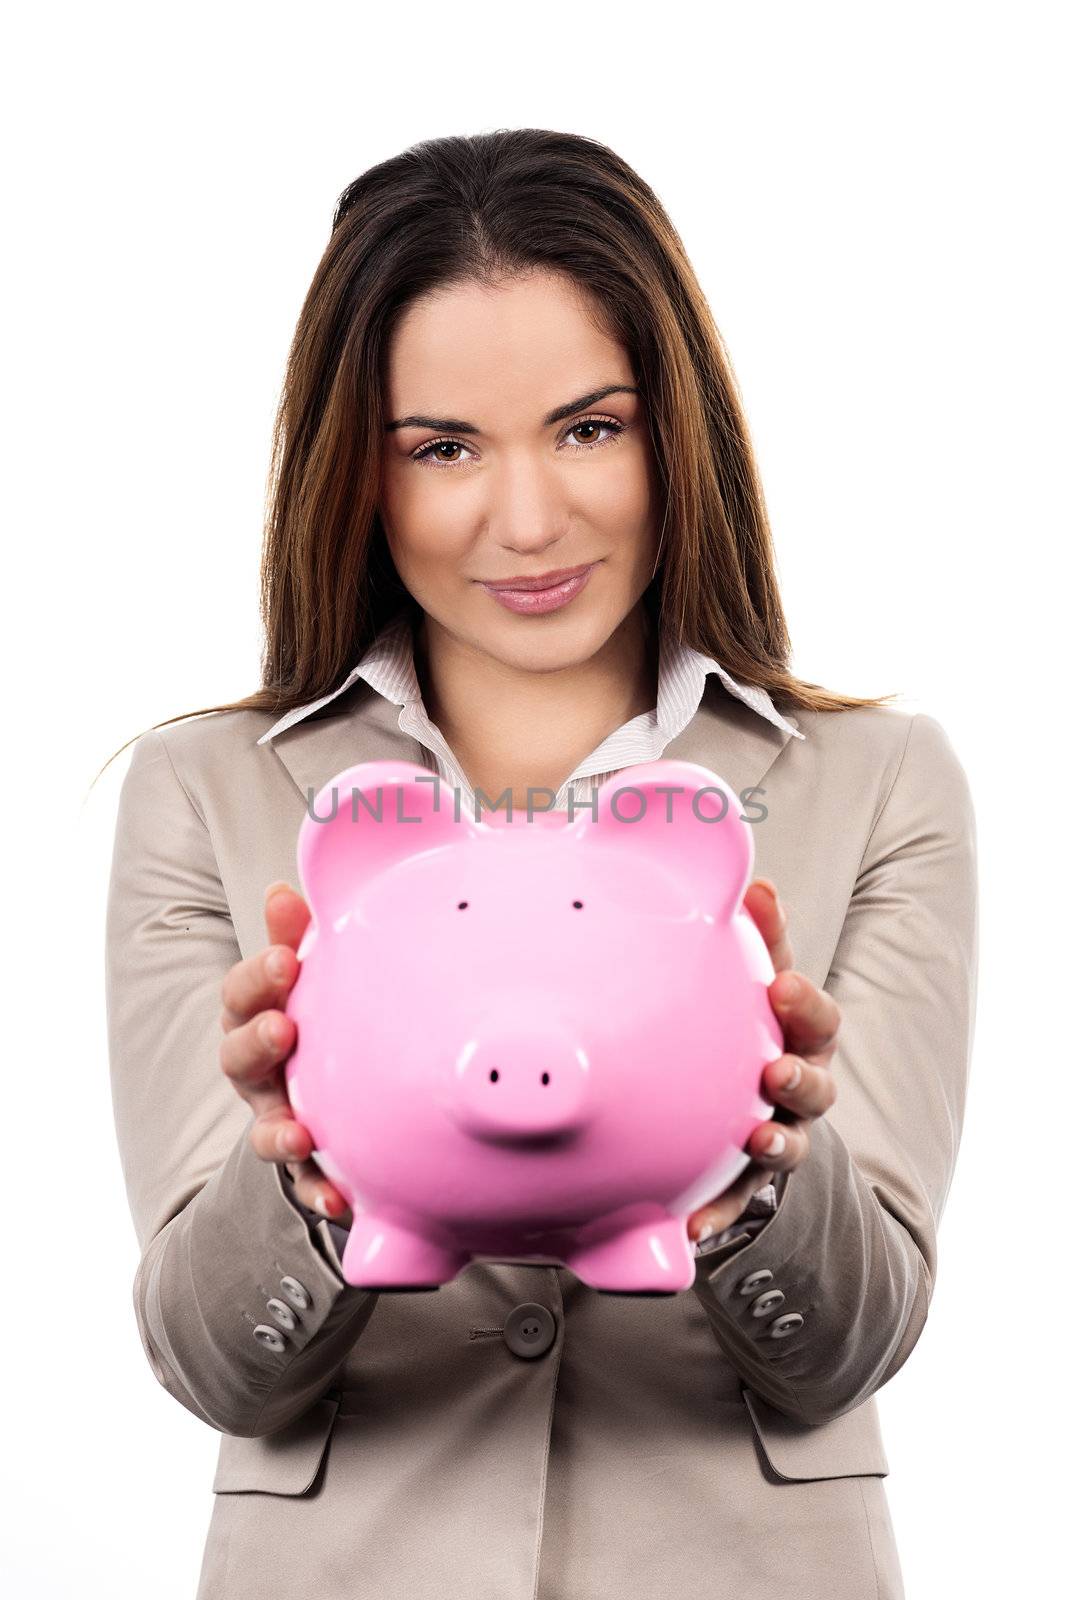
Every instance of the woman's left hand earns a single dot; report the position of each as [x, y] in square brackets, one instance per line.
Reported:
[809, 1019]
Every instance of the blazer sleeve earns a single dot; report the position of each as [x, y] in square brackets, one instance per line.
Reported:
[216, 1229]
[827, 1303]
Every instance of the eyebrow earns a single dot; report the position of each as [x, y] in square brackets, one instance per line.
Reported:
[456, 425]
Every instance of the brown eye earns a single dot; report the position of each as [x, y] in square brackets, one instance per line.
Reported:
[608, 429]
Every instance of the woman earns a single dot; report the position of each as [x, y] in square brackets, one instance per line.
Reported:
[505, 373]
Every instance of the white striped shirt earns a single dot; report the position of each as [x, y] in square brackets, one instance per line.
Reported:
[388, 666]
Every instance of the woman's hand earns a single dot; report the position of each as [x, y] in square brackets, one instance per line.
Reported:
[258, 1039]
[809, 1019]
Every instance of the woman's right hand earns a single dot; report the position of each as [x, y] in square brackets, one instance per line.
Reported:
[258, 1039]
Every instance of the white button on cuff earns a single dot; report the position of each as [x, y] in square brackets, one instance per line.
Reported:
[269, 1336]
[781, 1326]
[766, 1303]
[294, 1291]
[281, 1313]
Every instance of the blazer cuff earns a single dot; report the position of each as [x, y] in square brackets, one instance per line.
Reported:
[244, 1317]
[328, 1237]
[761, 1207]
[822, 1306]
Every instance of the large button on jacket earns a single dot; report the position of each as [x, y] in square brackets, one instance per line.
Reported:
[529, 1330]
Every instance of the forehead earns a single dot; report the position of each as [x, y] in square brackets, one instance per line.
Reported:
[518, 348]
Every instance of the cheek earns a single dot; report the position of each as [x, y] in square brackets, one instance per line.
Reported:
[624, 500]
[423, 530]
[408, 502]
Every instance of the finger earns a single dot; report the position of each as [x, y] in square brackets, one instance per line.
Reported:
[767, 912]
[251, 1056]
[276, 1136]
[256, 984]
[728, 1206]
[286, 914]
[779, 1147]
[809, 1017]
[318, 1193]
[801, 1086]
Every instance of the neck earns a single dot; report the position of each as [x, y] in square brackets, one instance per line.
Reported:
[516, 730]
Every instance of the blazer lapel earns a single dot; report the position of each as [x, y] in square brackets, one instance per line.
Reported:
[316, 750]
[729, 738]
[726, 736]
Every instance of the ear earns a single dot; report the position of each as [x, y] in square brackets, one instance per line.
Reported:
[368, 817]
[689, 819]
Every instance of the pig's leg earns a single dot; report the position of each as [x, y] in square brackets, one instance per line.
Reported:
[641, 1249]
[383, 1254]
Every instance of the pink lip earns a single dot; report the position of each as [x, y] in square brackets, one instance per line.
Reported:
[544, 580]
[549, 594]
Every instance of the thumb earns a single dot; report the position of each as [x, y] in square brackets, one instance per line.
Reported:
[286, 914]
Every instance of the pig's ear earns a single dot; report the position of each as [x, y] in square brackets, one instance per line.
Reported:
[368, 817]
[684, 816]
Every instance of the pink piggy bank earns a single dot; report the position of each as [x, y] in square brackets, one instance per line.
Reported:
[538, 1040]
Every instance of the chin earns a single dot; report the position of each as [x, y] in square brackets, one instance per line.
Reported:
[550, 650]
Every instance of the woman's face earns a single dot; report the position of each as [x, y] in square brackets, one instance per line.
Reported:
[485, 479]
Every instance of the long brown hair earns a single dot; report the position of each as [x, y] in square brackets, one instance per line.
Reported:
[485, 208]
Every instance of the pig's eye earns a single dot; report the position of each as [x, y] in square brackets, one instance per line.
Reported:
[577, 904]
[462, 905]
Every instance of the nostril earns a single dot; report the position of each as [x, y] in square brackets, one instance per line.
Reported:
[544, 1077]
[577, 904]
[493, 1076]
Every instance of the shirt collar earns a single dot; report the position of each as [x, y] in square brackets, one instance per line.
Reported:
[388, 666]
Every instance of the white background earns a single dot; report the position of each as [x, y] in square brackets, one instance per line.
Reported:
[872, 199]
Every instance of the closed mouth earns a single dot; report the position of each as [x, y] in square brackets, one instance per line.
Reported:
[549, 580]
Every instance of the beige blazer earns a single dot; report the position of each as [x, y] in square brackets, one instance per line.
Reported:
[378, 1445]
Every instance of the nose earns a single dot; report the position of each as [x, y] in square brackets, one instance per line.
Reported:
[528, 518]
[521, 1082]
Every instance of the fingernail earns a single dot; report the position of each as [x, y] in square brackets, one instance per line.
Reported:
[272, 888]
[705, 1233]
[775, 1145]
[321, 1205]
[793, 1078]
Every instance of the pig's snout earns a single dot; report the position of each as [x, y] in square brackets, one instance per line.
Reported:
[515, 1084]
